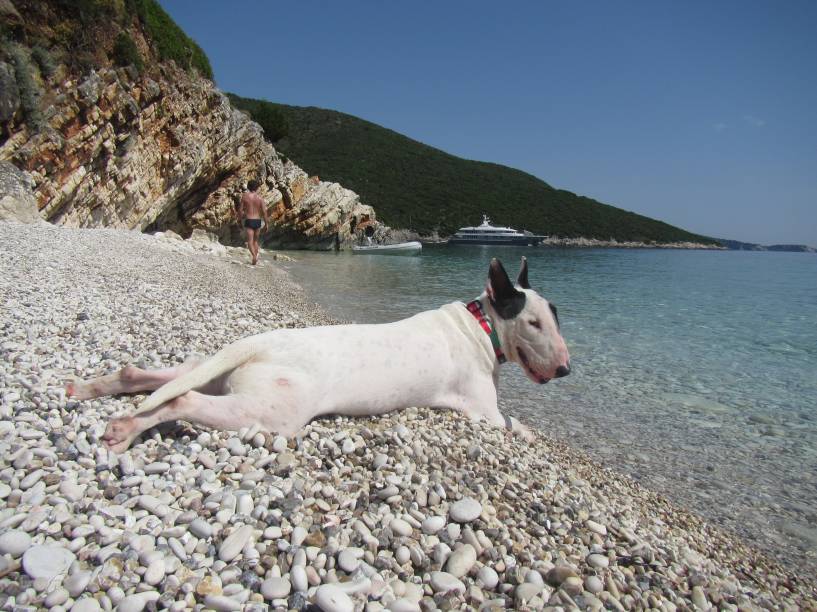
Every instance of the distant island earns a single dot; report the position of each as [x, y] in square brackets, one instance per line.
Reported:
[736, 245]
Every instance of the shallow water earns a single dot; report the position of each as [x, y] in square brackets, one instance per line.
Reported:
[693, 371]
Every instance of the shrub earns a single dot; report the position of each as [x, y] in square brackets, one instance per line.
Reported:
[84, 61]
[30, 92]
[125, 52]
[89, 11]
[65, 34]
[44, 60]
[6, 33]
[271, 119]
[92, 10]
[273, 122]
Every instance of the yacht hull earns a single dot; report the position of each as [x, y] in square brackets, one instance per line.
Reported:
[509, 241]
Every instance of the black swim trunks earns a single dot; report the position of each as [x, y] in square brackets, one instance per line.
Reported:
[252, 223]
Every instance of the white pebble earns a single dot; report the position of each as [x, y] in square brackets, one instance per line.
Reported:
[403, 555]
[298, 578]
[132, 603]
[126, 465]
[461, 561]
[596, 527]
[32, 479]
[487, 578]
[231, 547]
[400, 527]
[76, 582]
[465, 510]
[47, 561]
[200, 528]
[245, 505]
[433, 524]
[598, 561]
[330, 598]
[380, 459]
[57, 597]
[275, 588]
[404, 605]
[593, 584]
[443, 582]
[297, 536]
[534, 577]
[220, 603]
[699, 598]
[86, 604]
[349, 559]
[527, 591]
[158, 467]
[71, 490]
[155, 572]
[14, 543]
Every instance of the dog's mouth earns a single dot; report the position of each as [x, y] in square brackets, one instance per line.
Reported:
[533, 374]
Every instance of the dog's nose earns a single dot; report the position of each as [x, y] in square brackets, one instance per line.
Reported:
[562, 370]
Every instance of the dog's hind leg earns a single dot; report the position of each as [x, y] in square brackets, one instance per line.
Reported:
[129, 379]
[231, 412]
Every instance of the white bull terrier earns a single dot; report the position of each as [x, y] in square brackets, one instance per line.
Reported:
[281, 380]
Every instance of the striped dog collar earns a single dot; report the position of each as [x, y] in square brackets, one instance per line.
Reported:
[475, 308]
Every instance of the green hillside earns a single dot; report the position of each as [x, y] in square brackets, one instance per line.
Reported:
[412, 185]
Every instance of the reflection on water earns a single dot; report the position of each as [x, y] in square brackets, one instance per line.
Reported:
[695, 372]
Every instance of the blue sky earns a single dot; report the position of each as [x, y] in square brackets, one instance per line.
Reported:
[701, 114]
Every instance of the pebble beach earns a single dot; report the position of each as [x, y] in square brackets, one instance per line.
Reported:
[417, 510]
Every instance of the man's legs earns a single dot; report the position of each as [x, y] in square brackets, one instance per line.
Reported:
[250, 242]
[254, 250]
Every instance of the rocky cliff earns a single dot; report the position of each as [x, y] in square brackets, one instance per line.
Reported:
[157, 150]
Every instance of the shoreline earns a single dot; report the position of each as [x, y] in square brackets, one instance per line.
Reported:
[593, 243]
[583, 243]
[347, 501]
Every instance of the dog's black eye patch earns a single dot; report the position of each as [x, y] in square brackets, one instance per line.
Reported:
[509, 307]
[555, 313]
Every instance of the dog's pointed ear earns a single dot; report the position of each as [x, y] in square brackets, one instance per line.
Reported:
[522, 279]
[505, 298]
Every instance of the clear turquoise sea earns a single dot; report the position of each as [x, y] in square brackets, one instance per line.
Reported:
[695, 372]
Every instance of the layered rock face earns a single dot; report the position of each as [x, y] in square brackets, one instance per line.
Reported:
[169, 152]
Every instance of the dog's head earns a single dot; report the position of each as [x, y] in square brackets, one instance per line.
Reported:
[527, 325]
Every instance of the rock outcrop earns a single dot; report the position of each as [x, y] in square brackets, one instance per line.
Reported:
[17, 201]
[169, 152]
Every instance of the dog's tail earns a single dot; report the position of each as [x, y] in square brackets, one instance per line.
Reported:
[227, 359]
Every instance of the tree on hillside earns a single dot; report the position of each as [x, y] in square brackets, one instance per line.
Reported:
[273, 122]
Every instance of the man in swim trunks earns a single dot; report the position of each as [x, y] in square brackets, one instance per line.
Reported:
[251, 210]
